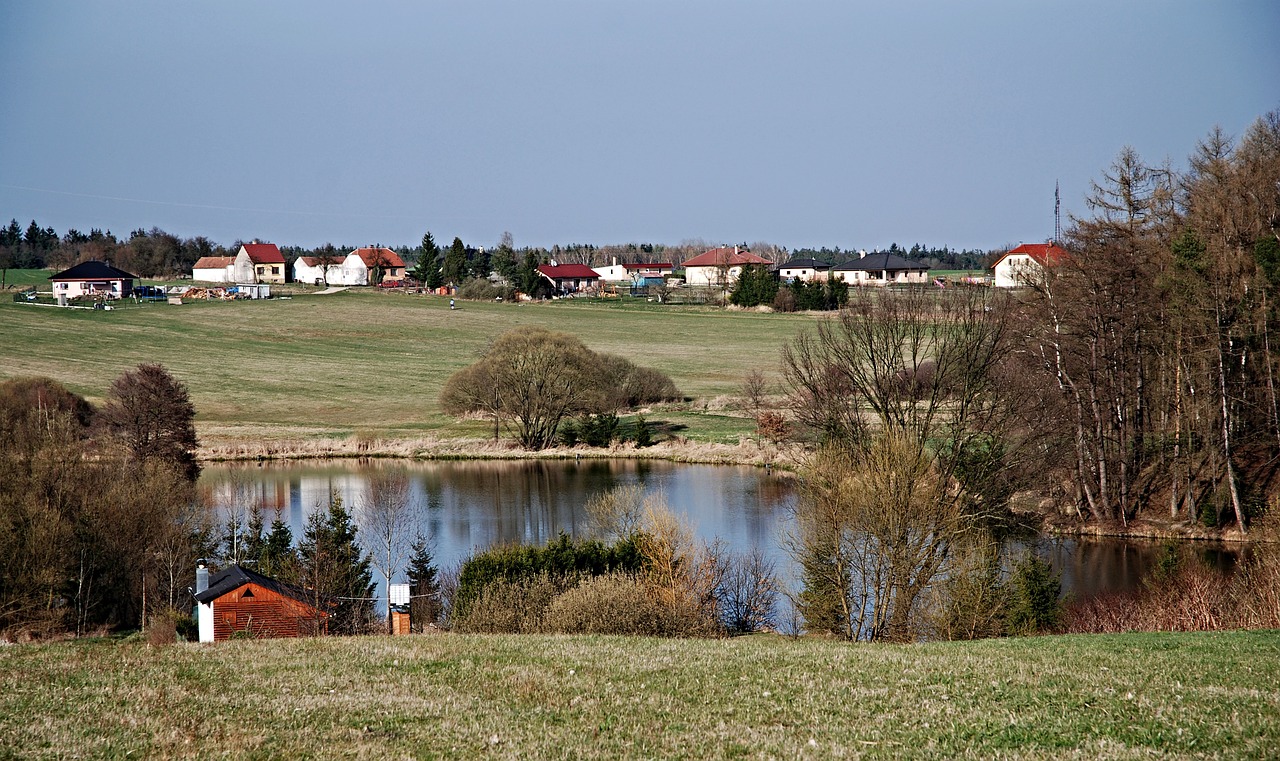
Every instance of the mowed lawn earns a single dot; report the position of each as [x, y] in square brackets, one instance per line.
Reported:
[452, 696]
[329, 366]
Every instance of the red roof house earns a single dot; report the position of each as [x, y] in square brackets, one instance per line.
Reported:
[240, 601]
[1025, 264]
[259, 263]
[570, 278]
[375, 257]
[720, 266]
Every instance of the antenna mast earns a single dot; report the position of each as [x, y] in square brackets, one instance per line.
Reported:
[1057, 216]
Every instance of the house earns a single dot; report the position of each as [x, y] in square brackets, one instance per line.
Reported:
[259, 263]
[881, 269]
[807, 270]
[637, 273]
[1025, 264]
[570, 278]
[375, 259]
[352, 268]
[92, 278]
[214, 269]
[720, 266]
[238, 600]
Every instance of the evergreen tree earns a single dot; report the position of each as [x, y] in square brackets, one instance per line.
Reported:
[424, 585]
[277, 557]
[335, 570]
[428, 256]
[455, 263]
[504, 258]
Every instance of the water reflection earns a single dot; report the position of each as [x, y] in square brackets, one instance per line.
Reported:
[464, 506]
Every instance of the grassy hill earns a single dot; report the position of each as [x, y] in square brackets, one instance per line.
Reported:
[454, 696]
[316, 367]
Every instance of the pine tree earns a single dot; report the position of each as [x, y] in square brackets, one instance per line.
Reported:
[428, 255]
[424, 604]
[334, 569]
[455, 263]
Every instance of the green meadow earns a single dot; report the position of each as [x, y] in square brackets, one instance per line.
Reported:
[1181, 695]
[358, 362]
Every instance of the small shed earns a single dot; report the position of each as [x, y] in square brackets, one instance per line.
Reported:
[240, 601]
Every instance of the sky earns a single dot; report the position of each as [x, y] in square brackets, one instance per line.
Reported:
[799, 123]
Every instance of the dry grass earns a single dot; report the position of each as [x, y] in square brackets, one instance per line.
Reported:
[456, 696]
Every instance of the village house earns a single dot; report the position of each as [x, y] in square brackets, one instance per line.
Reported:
[636, 273]
[806, 270]
[92, 278]
[720, 266]
[881, 269]
[259, 263]
[353, 268]
[1026, 264]
[570, 278]
[240, 601]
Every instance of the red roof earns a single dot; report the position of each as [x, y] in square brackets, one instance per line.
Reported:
[213, 262]
[563, 271]
[263, 253]
[726, 256]
[654, 266]
[374, 256]
[1044, 254]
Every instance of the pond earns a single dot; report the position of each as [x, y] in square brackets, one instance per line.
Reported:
[463, 506]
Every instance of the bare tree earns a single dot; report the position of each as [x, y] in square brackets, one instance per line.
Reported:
[389, 516]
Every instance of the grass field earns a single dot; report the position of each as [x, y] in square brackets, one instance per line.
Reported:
[316, 367]
[453, 696]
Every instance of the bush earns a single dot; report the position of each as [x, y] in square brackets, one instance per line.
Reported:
[598, 430]
[644, 437]
[1035, 603]
[618, 603]
[974, 604]
[560, 557]
[513, 607]
[480, 289]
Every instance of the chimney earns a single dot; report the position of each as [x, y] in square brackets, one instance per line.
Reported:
[862, 253]
[202, 576]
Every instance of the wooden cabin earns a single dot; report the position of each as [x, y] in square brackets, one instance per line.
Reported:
[241, 602]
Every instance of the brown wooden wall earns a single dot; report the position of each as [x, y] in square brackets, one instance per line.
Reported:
[263, 613]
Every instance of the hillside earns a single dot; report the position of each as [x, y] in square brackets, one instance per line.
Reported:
[453, 696]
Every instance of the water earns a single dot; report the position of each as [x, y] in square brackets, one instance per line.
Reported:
[465, 506]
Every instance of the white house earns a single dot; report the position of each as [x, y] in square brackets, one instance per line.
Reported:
[720, 266]
[634, 272]
[92, 278]
[258, 262]
[1026, 264]
[806, 270]
[349, 269]
[881, 269]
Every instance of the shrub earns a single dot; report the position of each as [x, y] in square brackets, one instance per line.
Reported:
[162, 628]
[644, 437]
[618, 603]
[480, 289]
[1035, 603]
[513, 607]
[974, 602]
[598, 430]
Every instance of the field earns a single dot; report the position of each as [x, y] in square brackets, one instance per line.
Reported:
[364, 363]
[454, 696]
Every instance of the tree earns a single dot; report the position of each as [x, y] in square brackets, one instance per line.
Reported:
[333, 569]
[151, 412]
[326, 256]
[504, 258]
[455, 263]
[388, 515]
[428, 256]
[905, 412]
[538, 378]
[424, 585]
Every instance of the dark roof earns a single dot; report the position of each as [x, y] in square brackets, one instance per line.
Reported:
[812, 264]
[560, 271]
[93, 270]
[874, 262]
[234, 577]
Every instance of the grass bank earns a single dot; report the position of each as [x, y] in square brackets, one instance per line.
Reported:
[453, 696]
[361, 364]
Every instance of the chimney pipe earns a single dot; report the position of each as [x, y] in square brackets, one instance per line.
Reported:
[202, 576]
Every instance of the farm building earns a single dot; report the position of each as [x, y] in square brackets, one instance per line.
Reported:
[92, 278]
[720, 266]
[214, 269]
[1025, 264]
[378, 259]
[881, 269]
[240, 601]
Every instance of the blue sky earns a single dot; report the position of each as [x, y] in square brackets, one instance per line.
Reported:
[797, 123]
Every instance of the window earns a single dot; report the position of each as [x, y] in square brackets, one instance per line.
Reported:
[248, 593]
[275, 270]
